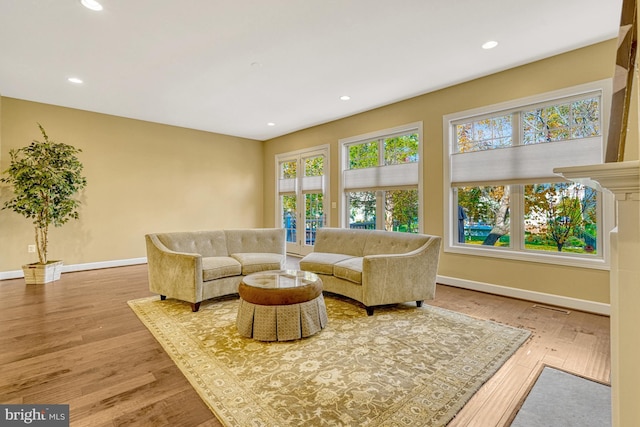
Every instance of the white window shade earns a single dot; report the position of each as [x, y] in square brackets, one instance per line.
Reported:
[287, 185]
[312, 183]
[381, 177]
[523, 162]
[309, 184]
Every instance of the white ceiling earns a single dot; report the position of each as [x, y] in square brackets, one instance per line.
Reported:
[233, 66]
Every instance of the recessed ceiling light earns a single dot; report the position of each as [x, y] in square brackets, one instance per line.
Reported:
[75, 80]
[91, 4]
[345, 97]
[271, 124]
[490, 44]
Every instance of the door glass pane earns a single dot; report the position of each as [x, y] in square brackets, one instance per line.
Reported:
[362, 209]
[561, 217]
[314, 216]
[288, 169]
[401, 211]
[483, 215]
[288, 203]
[314, 166]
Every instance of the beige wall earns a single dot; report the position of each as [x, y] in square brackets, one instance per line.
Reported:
[573, 68]
[142, 177]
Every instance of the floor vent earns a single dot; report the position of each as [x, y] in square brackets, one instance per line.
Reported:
[559, 310]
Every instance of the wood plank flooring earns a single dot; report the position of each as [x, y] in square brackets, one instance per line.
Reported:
[77, 342]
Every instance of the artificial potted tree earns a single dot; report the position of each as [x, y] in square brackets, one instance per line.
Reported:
[45, 176]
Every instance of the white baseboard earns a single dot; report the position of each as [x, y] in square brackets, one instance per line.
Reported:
[539, 297]
[16, 274]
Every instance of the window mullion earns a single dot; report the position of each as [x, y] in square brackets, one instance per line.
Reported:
[516, 204]
[380, 198]
[516, 128]
[516, 217]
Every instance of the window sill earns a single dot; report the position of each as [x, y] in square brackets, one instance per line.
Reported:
[579, 261]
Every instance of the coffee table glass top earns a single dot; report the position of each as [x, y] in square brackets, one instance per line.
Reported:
[280, 279]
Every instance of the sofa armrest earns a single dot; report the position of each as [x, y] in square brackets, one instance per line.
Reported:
[173, 274]
[393, 278]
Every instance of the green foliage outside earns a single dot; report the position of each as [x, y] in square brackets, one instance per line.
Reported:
[569, 211]
[402, 210]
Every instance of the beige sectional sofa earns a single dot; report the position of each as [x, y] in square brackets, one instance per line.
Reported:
[375, 267]
[196, 266]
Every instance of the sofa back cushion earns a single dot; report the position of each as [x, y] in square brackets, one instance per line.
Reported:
[205, 243]
[389, 242]
[256, 240]
[341, 241]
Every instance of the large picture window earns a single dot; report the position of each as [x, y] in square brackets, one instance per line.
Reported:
[503, 197]
[380, 180]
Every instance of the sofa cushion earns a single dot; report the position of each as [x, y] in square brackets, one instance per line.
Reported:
[349, 269]
[205, 243]
[218, 267]
[256, 240]
[381, 242]
[321, 262]
[341, 240]
[255, 262]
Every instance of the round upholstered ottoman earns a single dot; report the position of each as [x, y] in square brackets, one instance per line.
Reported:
[281, 305]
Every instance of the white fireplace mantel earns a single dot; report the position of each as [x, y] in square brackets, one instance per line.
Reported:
[623, 180]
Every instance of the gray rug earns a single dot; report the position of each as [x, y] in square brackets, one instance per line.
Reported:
[559, 398]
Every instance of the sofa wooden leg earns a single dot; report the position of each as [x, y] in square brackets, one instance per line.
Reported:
[419, 303]
[195, 306]
[163, 297]
[369, 311]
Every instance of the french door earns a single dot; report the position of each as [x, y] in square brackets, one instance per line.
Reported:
[302, 202]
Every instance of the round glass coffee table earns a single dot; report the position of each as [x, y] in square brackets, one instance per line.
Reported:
[281, 305]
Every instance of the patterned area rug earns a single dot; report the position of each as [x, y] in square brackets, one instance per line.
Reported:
[403, 366]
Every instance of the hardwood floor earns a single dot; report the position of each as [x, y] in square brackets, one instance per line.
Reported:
[77, 342]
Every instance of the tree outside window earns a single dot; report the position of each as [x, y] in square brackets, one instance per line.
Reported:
[487, 214]
[561, 217]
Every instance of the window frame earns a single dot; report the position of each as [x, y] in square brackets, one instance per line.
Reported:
[300, 186]
[343, 161]
[517, 250]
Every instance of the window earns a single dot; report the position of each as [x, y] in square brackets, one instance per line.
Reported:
[503, 198]
[380, 180]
